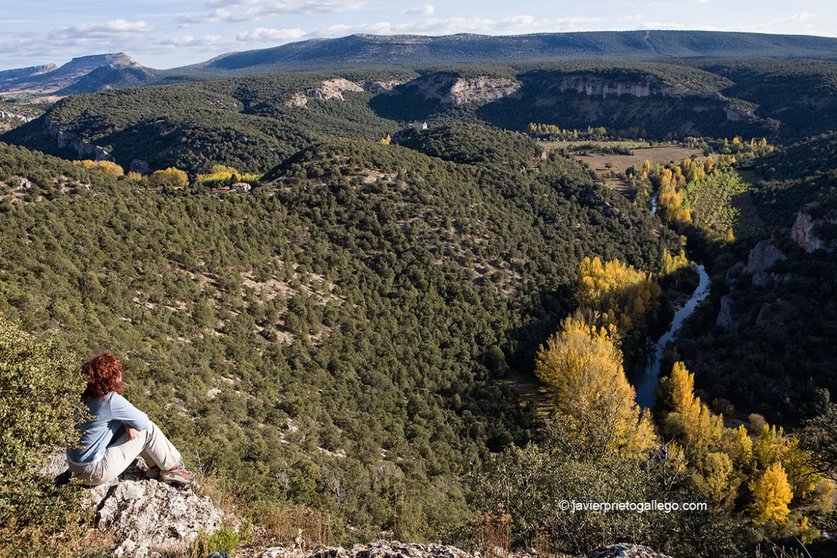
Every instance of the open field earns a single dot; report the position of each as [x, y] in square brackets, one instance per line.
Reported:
[608, 165]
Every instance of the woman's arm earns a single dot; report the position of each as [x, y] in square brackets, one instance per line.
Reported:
[122, 410]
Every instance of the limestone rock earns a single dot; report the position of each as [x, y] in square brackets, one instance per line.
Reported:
[727, 320]
[149, 516]
[807, 228]
[380, 549]
[772, 315]
[145, 516]
[480, 89]
[623, 550]
[381, 86]
[735, 274]
[763, 256]
[333, 89]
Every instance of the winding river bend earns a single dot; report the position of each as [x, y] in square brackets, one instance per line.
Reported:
[650, 378]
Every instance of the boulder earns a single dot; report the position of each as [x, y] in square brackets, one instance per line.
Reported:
[772, 315]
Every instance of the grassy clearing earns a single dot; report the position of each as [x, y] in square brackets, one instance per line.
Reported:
[609, 165]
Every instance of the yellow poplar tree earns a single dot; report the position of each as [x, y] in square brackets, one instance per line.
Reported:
[671, 263]
[802, 472]
[770, 446]
[716, 478]
[742, 447]
[771, 495]
[622, 294]
[698, 425]
[171, 177]
[582, 365]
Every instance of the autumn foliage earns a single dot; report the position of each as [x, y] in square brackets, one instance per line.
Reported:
[582, 365]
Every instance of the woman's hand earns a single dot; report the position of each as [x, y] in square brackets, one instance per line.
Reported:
[132, 433]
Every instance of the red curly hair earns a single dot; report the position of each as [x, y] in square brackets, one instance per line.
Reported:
[104, 375]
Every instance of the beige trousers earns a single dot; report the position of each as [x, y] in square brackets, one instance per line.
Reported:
[151, 444]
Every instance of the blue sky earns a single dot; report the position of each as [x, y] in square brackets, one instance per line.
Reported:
[164, 34]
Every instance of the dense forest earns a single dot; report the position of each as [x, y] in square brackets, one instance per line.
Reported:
[359, 330]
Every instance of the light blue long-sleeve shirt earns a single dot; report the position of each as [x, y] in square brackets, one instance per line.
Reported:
[108, 415]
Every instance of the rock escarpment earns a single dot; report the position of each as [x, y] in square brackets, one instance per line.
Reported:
[755, 273]
[452, 89]
[814, 229]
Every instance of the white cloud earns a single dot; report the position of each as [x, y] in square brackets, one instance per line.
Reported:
[802, 16]
[426, 11]
[190, 41]
[228, 11]
[263, 35]
[108, 29]
[517, 25]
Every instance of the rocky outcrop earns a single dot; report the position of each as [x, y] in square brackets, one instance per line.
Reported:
[763, 256]
[624, 550]
[454, 90]
[147, 518]
[395, 549]
[602, 87]
[381, 86]
[809, 227]
[83, 148]
[480, 89]
[727, 320]
[735, 275]
[328, 90]
[333, 89]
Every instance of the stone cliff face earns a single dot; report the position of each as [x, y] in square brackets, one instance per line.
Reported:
[815, 228]
[83, 148]
[331, 89]
[480, 89]
[810, 229]
[602, 87]
[455, 90]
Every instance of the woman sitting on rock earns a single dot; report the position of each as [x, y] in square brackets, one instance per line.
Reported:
[117, 432]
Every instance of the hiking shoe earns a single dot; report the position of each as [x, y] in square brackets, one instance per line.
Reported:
[177, 475]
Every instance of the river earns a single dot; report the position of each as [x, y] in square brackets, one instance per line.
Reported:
[650, 378]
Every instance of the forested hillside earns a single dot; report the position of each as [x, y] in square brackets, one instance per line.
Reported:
[771, 352]
[255, 123]
[333, 338]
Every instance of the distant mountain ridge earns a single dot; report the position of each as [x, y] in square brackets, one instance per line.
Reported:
[88, 74]
[84, 74]
[411, 50]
